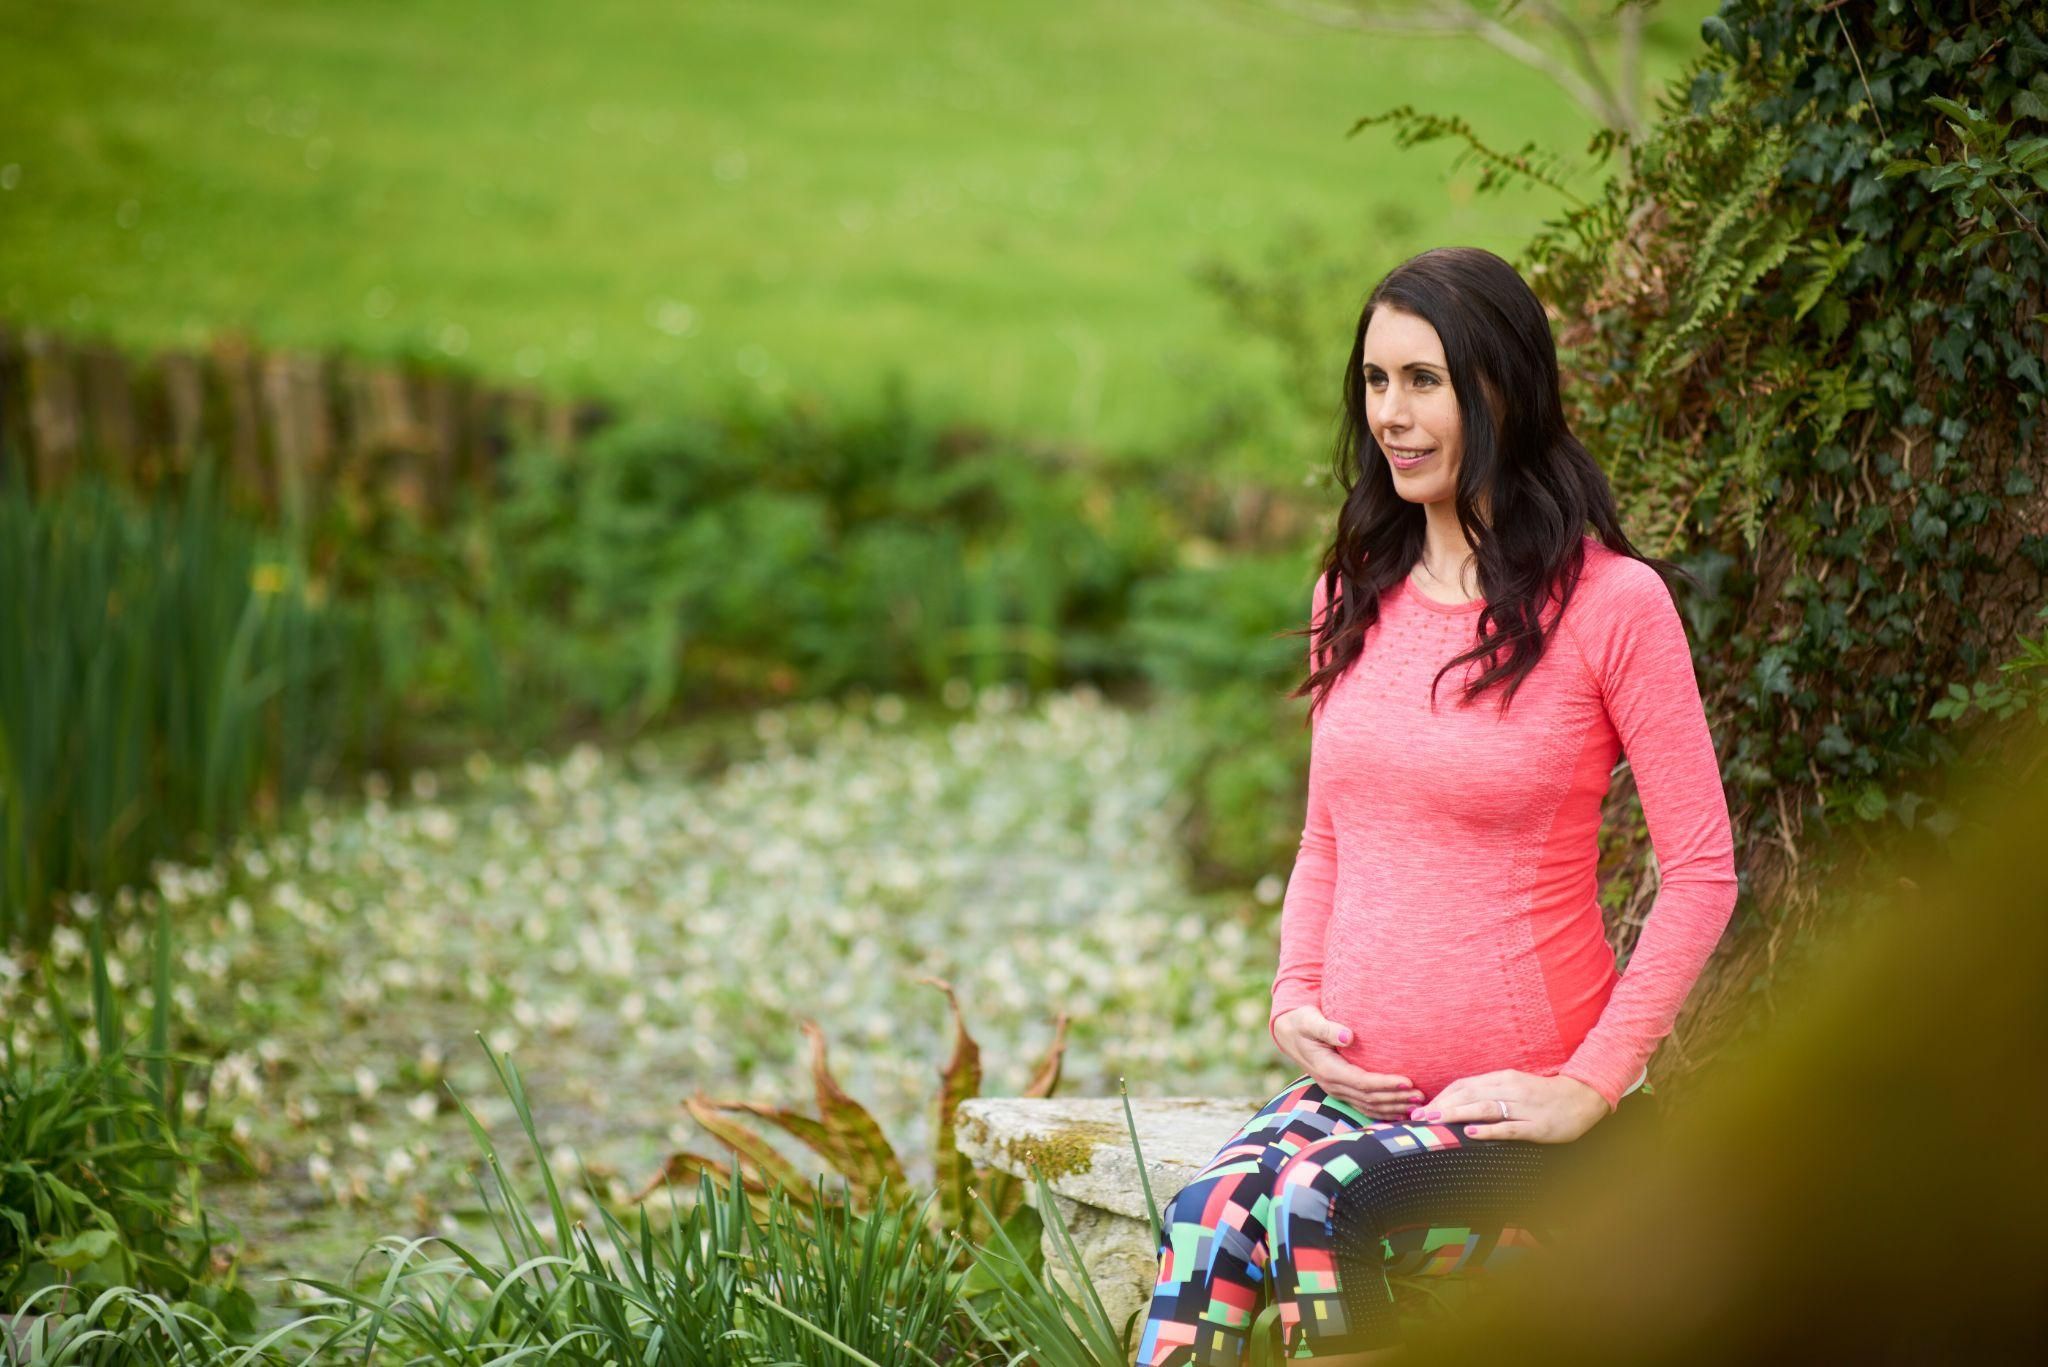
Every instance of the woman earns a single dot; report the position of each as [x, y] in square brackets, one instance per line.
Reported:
[1478, 664]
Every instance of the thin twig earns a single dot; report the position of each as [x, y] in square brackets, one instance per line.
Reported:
[1461, 21]
[1870, 98]
[2032, 230]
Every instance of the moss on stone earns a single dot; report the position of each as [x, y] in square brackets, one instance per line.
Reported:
[1069, 1147]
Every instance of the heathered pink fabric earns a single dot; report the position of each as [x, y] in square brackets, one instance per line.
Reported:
[1443, 904]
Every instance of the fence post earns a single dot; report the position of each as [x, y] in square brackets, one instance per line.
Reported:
[52, 411]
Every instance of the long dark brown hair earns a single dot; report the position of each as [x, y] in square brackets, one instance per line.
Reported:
[1520, 460]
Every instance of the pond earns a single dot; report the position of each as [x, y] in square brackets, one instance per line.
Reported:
[629, 928]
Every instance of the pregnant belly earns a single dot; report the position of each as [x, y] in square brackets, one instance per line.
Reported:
[1426, 1020]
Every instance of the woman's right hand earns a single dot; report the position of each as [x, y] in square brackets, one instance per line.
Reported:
[1312, 1041]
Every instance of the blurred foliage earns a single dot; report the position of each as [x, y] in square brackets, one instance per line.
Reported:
[161, 671]
[100, 1165]
[1206, 637]
[1805, 335]
[178, 672]
[675, 565]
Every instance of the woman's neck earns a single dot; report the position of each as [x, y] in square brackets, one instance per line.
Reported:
[1448, 562]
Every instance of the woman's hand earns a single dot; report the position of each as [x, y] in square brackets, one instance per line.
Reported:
[1548, 1110]
[1306, 1036]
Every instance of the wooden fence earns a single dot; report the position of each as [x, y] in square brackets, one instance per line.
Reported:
[289, 432]
[283, 428]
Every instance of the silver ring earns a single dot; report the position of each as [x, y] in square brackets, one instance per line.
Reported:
[1503, 1107]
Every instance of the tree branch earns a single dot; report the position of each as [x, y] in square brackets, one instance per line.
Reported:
[1458, 20]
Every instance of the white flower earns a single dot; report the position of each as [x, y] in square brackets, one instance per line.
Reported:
[67, 945]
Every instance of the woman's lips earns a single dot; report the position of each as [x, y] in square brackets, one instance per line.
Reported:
[1407, 462]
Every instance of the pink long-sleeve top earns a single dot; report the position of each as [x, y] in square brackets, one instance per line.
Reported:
[1443, 904]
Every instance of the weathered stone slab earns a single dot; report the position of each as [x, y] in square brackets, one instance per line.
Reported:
[1083, 1148]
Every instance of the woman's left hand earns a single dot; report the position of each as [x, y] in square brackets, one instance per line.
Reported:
[1548, 1110]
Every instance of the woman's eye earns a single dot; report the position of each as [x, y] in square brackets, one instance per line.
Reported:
[1425, 379]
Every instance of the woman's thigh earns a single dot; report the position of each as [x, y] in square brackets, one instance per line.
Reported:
[1295, 1116]
[1234, 1188]
[1425, 1200]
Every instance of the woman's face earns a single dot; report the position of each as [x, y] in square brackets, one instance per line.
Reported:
[1410, 405]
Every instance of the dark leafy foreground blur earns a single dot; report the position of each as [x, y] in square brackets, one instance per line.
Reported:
[1862, 1183]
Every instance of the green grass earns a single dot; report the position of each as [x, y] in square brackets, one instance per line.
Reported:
[1001, 200]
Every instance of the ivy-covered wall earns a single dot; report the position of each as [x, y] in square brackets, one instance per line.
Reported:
[1805, 332]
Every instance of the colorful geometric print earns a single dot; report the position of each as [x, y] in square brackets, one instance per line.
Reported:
[1312, 1205]
[1454, 1250]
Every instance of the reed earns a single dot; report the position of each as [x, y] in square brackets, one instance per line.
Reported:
[159, 670]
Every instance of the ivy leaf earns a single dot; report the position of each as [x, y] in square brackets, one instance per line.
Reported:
[1773, 673]
[1954, 111]
[1715, 29]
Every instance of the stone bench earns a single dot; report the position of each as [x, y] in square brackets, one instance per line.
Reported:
[1083, 1148]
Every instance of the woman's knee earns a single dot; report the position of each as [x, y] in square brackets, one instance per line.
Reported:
[1360, 1212]
[1189, 1205]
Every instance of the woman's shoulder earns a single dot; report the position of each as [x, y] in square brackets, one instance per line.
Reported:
[1616, 586]
[1619, 601]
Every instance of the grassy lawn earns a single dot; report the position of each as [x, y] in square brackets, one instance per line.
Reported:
[1002, 201]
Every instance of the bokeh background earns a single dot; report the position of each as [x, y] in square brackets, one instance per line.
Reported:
[600, 533]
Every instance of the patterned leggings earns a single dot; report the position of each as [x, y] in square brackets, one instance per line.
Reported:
[1309, 1186]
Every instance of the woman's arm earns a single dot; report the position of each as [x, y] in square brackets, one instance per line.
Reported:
[1305, 912]
[1635, 646]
